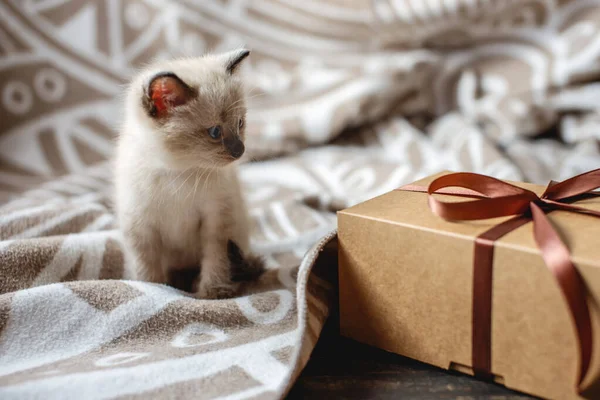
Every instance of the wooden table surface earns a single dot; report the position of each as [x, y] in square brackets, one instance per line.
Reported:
[340, 368]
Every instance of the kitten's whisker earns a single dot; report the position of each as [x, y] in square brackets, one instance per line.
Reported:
[162, 198]
[233, 104]
[243, 99]
[254, 89]
[204, 177]
[193, 193]
[195, 174]
[256, 96]
[220, 178]
[196, 184]
[236, 108]
[183, 184]
[205, 174]
[178, 176]
[205, 187]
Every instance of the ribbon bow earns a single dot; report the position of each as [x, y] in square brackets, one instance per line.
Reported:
[496, 198]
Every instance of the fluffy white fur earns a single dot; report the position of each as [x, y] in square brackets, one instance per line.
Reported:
[179, 208]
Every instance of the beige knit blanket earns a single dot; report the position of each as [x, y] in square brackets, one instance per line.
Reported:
[348, 100]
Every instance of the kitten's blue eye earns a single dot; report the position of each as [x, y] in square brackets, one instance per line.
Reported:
[214, 132]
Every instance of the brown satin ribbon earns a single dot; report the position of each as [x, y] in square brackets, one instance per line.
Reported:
[495, 198]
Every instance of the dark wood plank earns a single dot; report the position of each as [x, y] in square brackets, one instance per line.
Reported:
[341, 368]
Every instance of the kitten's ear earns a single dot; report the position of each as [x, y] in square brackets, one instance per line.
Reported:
[166, 91]
[234, 58]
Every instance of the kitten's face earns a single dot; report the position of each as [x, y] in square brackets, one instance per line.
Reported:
[197, 110]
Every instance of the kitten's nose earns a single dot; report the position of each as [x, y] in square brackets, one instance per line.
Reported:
[234, 146]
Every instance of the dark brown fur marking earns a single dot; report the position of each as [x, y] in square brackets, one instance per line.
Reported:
[236, 61]
[243, 267]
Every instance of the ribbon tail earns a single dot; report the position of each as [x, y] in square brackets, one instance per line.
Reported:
[558, 260]
[574, 186]
[483, 277]
[570, 207]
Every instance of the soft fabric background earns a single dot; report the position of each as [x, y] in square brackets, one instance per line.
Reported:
[348, 99]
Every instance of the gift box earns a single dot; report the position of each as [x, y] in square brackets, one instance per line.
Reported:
[495, 279]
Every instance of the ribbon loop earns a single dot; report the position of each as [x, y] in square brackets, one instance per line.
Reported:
[500, 199]
[485, 185]
[557, 205]
[483, 208]
[575, 186]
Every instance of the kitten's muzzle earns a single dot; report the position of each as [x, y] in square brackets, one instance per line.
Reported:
[234, 145]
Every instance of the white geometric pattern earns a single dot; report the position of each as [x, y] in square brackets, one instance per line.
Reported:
[347, 100]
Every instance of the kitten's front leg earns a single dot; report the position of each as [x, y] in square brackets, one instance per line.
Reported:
[145, 246]
[215, 272]
[215, 280]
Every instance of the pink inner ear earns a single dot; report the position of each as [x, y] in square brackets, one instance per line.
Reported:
[166, 93]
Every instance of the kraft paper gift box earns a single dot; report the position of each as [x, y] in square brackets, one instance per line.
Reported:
[406, 286]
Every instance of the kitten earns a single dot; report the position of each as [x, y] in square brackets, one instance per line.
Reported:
[178, 200]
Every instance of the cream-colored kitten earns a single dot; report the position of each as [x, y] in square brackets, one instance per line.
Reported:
[178, 199]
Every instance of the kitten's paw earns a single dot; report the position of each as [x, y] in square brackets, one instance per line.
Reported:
[214, 292]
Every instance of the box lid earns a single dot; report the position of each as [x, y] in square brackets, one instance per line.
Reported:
[579, 232]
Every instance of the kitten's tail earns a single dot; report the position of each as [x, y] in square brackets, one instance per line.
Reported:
[244, 267]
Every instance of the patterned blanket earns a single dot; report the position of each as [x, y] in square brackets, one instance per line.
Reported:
[348, 100]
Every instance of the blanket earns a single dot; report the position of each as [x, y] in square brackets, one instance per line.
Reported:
[347, 100]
